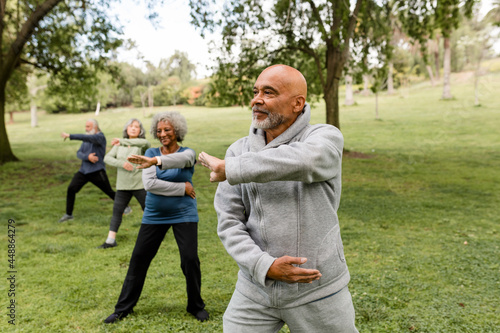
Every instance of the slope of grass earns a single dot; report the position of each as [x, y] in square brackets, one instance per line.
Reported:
[419, 220]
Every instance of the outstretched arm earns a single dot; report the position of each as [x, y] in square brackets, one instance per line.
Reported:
[317, 158]
[184, 159]
[97, 139]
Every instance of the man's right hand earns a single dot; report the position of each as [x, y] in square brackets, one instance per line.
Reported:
[283, 269]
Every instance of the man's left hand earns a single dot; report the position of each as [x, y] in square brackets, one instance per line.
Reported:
[283, 269]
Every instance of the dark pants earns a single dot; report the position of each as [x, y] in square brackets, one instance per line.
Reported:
[147, 244]
[98, 178]
[122, 199]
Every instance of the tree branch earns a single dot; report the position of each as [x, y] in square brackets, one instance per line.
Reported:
[26, 62]
[307, 50]
[2, 25]
[24, 35]
[350, 28]
[336, 20]
[321, 25]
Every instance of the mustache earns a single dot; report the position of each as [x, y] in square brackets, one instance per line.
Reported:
[257, 109]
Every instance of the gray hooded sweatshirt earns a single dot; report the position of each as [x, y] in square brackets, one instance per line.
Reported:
[282, 199]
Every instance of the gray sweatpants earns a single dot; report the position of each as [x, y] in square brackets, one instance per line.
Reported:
[333, 314]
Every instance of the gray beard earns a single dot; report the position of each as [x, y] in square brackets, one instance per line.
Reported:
[93, 131]
[273, 120]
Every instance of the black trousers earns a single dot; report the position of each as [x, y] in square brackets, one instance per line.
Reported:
[148, 242]
[98, 178]
[122, 199]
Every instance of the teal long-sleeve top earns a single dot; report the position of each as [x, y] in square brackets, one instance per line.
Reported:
[166, 201]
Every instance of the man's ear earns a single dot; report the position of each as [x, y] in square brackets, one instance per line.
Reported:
[299, 103]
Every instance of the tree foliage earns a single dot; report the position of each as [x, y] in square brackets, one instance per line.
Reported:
[493, 15]
[314, 36]
[423, 18]
[71, 39]
[178, 65]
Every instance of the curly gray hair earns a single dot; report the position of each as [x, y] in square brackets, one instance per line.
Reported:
[175, 119]
[142, 134]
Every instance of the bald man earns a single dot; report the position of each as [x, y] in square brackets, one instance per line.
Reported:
[277, 201]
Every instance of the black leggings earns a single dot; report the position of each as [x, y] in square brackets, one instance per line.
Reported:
[122, 199]
[98, 178]
[148, 242]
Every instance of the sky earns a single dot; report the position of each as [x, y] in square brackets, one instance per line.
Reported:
[175, 33]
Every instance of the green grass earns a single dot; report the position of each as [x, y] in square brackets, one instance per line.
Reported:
[419, 220]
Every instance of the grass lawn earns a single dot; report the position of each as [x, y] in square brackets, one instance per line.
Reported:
[419, 218]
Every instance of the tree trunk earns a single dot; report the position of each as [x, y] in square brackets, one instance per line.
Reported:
[6, 154]
[33, 90]
[8, 63]
[447, 70]
[331, 98]
[143, 102]
[34, 117]
[431, 75]
[376, 105]
[477, 75]
[349, 99]
[366, 82]
[390, 81]
[476, 90]
[98, 108]
[436, 59]
[150, 98]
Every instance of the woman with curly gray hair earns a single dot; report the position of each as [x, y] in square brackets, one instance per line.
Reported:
[170, 203]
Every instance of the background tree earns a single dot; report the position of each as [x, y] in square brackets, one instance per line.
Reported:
[36, 83]
[129, 78]
[422, 18]
[474, 42]
[178, 65]
[493, 15]
[305, 34]
[71, 39]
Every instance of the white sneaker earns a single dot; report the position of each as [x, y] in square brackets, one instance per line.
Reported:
[65, 218]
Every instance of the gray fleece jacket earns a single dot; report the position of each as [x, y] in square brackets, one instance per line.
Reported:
[282, 199]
